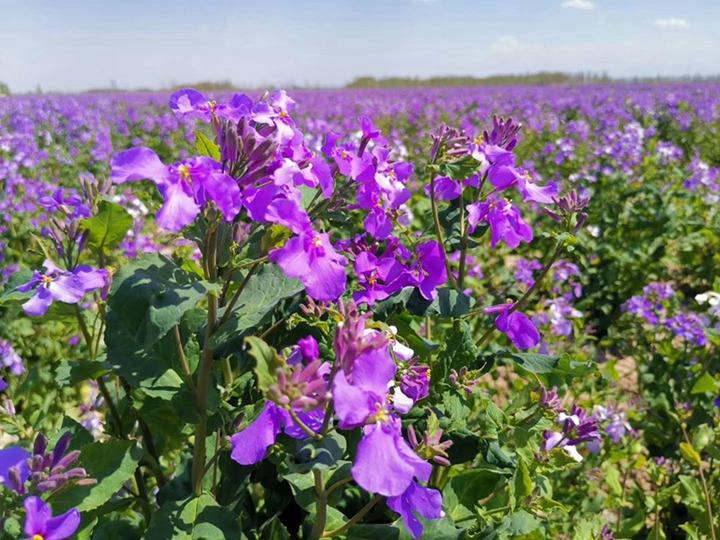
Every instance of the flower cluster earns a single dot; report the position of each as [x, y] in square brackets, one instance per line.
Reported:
[655, 308]
[10, 362]
[577, 427]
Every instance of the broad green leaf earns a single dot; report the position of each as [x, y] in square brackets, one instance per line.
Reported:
[533, 362]
[523, 482]
[263, 292]
[448, 303]
[111, 463]
[108, 227]
[9, 291]
[705, 383]
[206, 147]
[197, 518]
[149, 297]
[323, 454]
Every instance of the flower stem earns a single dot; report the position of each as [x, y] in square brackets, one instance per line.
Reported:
[355, 519]
[205, 369]
[320, 507]
[438, 230]
[525, 297]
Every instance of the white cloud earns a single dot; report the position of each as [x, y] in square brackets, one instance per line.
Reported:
[506, 44]
[671, 22]
[579, 4]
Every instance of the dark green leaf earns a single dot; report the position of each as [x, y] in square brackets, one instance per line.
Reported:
[111, 464]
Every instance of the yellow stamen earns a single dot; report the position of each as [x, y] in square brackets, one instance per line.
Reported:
[184, 171]
[38, 537]
[46, 279]
[317, 242]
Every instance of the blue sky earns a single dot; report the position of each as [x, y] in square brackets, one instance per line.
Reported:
[71, 45]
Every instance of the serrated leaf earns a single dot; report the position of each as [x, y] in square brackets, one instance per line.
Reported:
[108, 227]
[448, 303]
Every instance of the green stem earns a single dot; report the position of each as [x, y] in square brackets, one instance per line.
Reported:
[205, 370]
[320, 507]
[706, 492]
[438, 229]
[525, 297]
[183, 360]
[355, 519]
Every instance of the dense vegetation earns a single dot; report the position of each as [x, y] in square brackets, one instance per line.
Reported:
[361, 314]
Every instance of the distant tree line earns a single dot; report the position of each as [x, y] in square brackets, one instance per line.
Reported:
[4, 89]
[540, 78]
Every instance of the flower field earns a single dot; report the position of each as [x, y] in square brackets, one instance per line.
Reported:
[452, 313]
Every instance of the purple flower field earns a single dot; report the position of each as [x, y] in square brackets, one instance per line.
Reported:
[483, 312]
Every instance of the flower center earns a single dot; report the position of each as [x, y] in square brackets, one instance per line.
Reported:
[381, 415]
[211, 105]
[184, 172]
[283, 114]
[46, 279]
[317, 242]
[38, 537]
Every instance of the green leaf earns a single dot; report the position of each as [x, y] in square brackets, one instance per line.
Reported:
[206, 147]
[266, 362]
[313, 454]
[690, 454]
[71, 372]
[111, 464]
[10, 292]
[197, 518]
[533, 362]
[108, 227]
[448, 303]
[523, 483]
[705, 383]
[149, 297]
[263, 292]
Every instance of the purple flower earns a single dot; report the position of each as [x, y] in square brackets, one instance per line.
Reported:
[60, 285]
[446, 189]
[688, 326]
[415, 381]
[10, 360]
[311, 258]
[14, 458]
[186, 186]
[191, 103]
[428, 272]
[516, 325]
[361, 399]
[41, 525]
[716, 402]
[506, 223]
[417, 500]
[250, 445]
[380, 277]
[577, 428]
